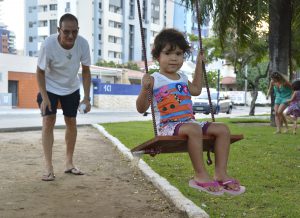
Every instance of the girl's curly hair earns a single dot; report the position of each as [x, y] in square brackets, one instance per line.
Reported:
[171, 37]
[296, 85]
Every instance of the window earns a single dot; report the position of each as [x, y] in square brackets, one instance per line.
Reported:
[114, 54]
[31, 9]
[42, 23]
[131, 9]
[43, 8]
[114, 24]
[99, 52]
[99, 36]
[144, 10]
[153, 33]
[131, 42]
[114, 39]
[53, 7]
[100, 21]
[68, 7]
[115, 9]
[42, 38]
[30, 39]
[30, 24]
[53, 26]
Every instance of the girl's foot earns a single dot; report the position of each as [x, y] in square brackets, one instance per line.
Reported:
[212, 187]
[230, 185]
[277, 132]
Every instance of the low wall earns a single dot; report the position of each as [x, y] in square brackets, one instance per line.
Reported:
[127, 102]
[115, 102]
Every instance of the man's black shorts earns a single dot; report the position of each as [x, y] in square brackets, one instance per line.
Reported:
[69, 103]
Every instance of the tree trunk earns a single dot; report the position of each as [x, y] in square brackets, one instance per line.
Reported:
[254, 95]
[280, 13]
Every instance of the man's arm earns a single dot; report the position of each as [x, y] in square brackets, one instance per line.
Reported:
[40, 75]
[86, 82]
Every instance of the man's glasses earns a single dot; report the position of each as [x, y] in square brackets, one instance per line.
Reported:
[68, 32]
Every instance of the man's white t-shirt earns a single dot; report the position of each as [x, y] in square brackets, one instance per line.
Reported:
[61, 65]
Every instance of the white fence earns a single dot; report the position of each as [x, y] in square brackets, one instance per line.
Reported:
[239, 98]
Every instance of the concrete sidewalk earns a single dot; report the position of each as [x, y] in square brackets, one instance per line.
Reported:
[6, 110]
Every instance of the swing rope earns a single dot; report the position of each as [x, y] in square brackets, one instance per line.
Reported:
[146, 66]
[209, 161]
[203, 65]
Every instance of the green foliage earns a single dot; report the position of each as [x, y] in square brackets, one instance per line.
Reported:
[265, 163]
[193, 37]
[129, 65]
[212, 78]
[254, 72]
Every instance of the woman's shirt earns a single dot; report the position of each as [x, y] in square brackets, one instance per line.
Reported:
[282, 91]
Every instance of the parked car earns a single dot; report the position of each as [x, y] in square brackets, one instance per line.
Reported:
[223, 105]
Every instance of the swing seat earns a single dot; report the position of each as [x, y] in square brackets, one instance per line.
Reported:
[176, 144]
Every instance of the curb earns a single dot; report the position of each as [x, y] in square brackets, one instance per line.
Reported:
[181, 202]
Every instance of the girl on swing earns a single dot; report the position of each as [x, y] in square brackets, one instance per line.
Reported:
[173, 107]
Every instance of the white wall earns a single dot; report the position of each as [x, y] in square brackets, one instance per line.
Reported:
[16, 63]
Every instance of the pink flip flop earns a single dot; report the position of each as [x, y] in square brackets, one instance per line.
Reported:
[204, 186]
[230, 191]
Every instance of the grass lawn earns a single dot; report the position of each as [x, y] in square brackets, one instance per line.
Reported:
[268, 165]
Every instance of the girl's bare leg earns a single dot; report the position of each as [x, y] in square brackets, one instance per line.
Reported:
[195, 149]
[295, 125]
[282, 118]
[222, 147]
[277, 119]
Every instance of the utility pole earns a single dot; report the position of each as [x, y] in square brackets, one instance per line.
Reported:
[246, 83]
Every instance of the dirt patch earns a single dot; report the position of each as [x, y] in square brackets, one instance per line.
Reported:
[110, 188]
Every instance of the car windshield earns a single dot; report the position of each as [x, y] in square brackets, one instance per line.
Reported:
[204, 96]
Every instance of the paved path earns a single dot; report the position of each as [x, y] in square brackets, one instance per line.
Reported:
[110, 188]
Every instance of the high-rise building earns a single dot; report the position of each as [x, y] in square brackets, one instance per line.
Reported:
[110, 26]
[7, 37]
[7, 41]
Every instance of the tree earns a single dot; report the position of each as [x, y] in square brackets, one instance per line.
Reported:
[250, 56]
[129, 65]
[245, 15]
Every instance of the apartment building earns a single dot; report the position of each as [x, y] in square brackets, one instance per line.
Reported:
[110, 26]
[7, 37]
[7, 41]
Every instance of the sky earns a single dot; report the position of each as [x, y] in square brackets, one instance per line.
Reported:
[13, 17]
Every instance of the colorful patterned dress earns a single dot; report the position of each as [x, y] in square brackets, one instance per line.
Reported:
[294, 107]
[172, 103]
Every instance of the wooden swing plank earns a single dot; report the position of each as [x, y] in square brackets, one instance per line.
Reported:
[176, 144]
